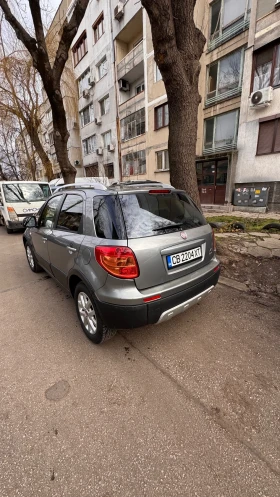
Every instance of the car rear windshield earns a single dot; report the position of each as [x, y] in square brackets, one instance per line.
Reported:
[144, 214]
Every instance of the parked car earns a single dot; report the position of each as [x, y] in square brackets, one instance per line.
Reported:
[57, 183]
[134, 254]
[20, 198]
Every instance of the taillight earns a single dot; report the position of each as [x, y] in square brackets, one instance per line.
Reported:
[118, 261]
[12, 214]
[213, 241]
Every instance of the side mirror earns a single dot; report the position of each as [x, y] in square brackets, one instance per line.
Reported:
[29, 222]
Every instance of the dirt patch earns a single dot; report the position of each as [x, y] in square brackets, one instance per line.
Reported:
[261, 275]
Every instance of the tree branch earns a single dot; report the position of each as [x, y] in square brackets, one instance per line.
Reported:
[38, 26]
[23, 36]
[68, 33]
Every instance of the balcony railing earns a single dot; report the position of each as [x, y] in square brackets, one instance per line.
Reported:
[223, 96]
[225, 148]
[228, 34]
[131, 60]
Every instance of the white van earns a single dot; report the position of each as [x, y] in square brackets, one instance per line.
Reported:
[18, 199]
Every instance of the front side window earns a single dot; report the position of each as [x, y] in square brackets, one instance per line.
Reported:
[134, 163]
[98, 28]
[80, 48]
[133, 125]
[161, 116]
[83, 82]
[87, 115]
[221, 131]
[106, 139]
[71, 213]
[89, 145]
[49, 213]
[162, 159]
[102, 68]
[225, 75]
[266, 67]
[148, 214]
[104, 105]
[269, 137]
[26, 192]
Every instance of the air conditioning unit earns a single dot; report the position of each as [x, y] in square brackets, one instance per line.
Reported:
[75, 125]
[99, 151]
[277, 4]
[98, 120]
[261, 98]
[123, 85]
[111, 147]
[91, 81]
[119, 11]
[86, 93]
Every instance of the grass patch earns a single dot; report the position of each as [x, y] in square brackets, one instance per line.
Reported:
[250, 224]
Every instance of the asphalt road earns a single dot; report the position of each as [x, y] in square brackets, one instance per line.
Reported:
[190, 408]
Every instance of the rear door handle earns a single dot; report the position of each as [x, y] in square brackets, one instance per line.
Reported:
[71, 249]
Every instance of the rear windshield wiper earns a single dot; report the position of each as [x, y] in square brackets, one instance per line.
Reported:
[178, 225]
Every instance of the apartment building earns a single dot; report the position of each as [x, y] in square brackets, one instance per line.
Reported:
[70, 98]
[258, 143]
[94, 71]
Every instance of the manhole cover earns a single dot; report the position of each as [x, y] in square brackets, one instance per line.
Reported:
[58, 391]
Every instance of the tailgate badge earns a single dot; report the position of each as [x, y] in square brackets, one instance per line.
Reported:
[184, 235]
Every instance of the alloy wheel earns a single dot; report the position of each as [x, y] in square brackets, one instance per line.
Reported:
[87, 313]
[30, 257]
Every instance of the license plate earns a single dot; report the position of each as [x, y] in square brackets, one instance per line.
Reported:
[183, 257]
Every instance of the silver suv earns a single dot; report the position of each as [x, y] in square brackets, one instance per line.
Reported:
[137, 253]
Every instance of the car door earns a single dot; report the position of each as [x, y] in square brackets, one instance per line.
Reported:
[45, 226]
[65, 240]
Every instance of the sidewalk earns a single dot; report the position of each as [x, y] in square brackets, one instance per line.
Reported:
[239, 214]
[255, 244]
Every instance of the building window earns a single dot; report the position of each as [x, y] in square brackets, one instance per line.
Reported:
[133, 125]
[221, 131]
[92, 171]
[162, 159]
[102, 68]
[161, 116]
[106, 137]
[51, 138]
[83, 82]
[158, 76]
[80, 48]
[48, 116]
[266, 67]
[225, 75]
[89, 145]
[134, 163]
[87, 115]
[98, 28]
[269, 137]
[109, 170]
[139, 88]
[227, 15]
[104, 105]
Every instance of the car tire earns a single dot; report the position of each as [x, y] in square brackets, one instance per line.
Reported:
[89, 317]
[31, 259]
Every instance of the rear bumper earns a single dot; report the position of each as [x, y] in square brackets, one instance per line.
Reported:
[134, 316]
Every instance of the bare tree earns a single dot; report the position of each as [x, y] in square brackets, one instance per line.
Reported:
[11, 165]
[178, 46]
[50, 70]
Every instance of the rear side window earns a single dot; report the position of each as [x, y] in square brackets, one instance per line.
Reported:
[71, 214]
[149, 214]
[108, 218]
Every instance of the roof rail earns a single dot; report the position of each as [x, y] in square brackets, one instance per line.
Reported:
[77, 186]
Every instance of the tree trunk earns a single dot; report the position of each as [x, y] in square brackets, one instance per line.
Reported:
[61, 136]
[183, 107]
[35, 140]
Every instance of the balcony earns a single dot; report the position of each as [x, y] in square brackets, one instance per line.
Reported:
[128, 66]
[229, 33]
[225, 148]
[236, 92]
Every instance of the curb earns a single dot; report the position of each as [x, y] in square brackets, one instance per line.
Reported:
[241, 287]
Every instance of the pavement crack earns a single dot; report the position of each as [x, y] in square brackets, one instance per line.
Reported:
[214, 414]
